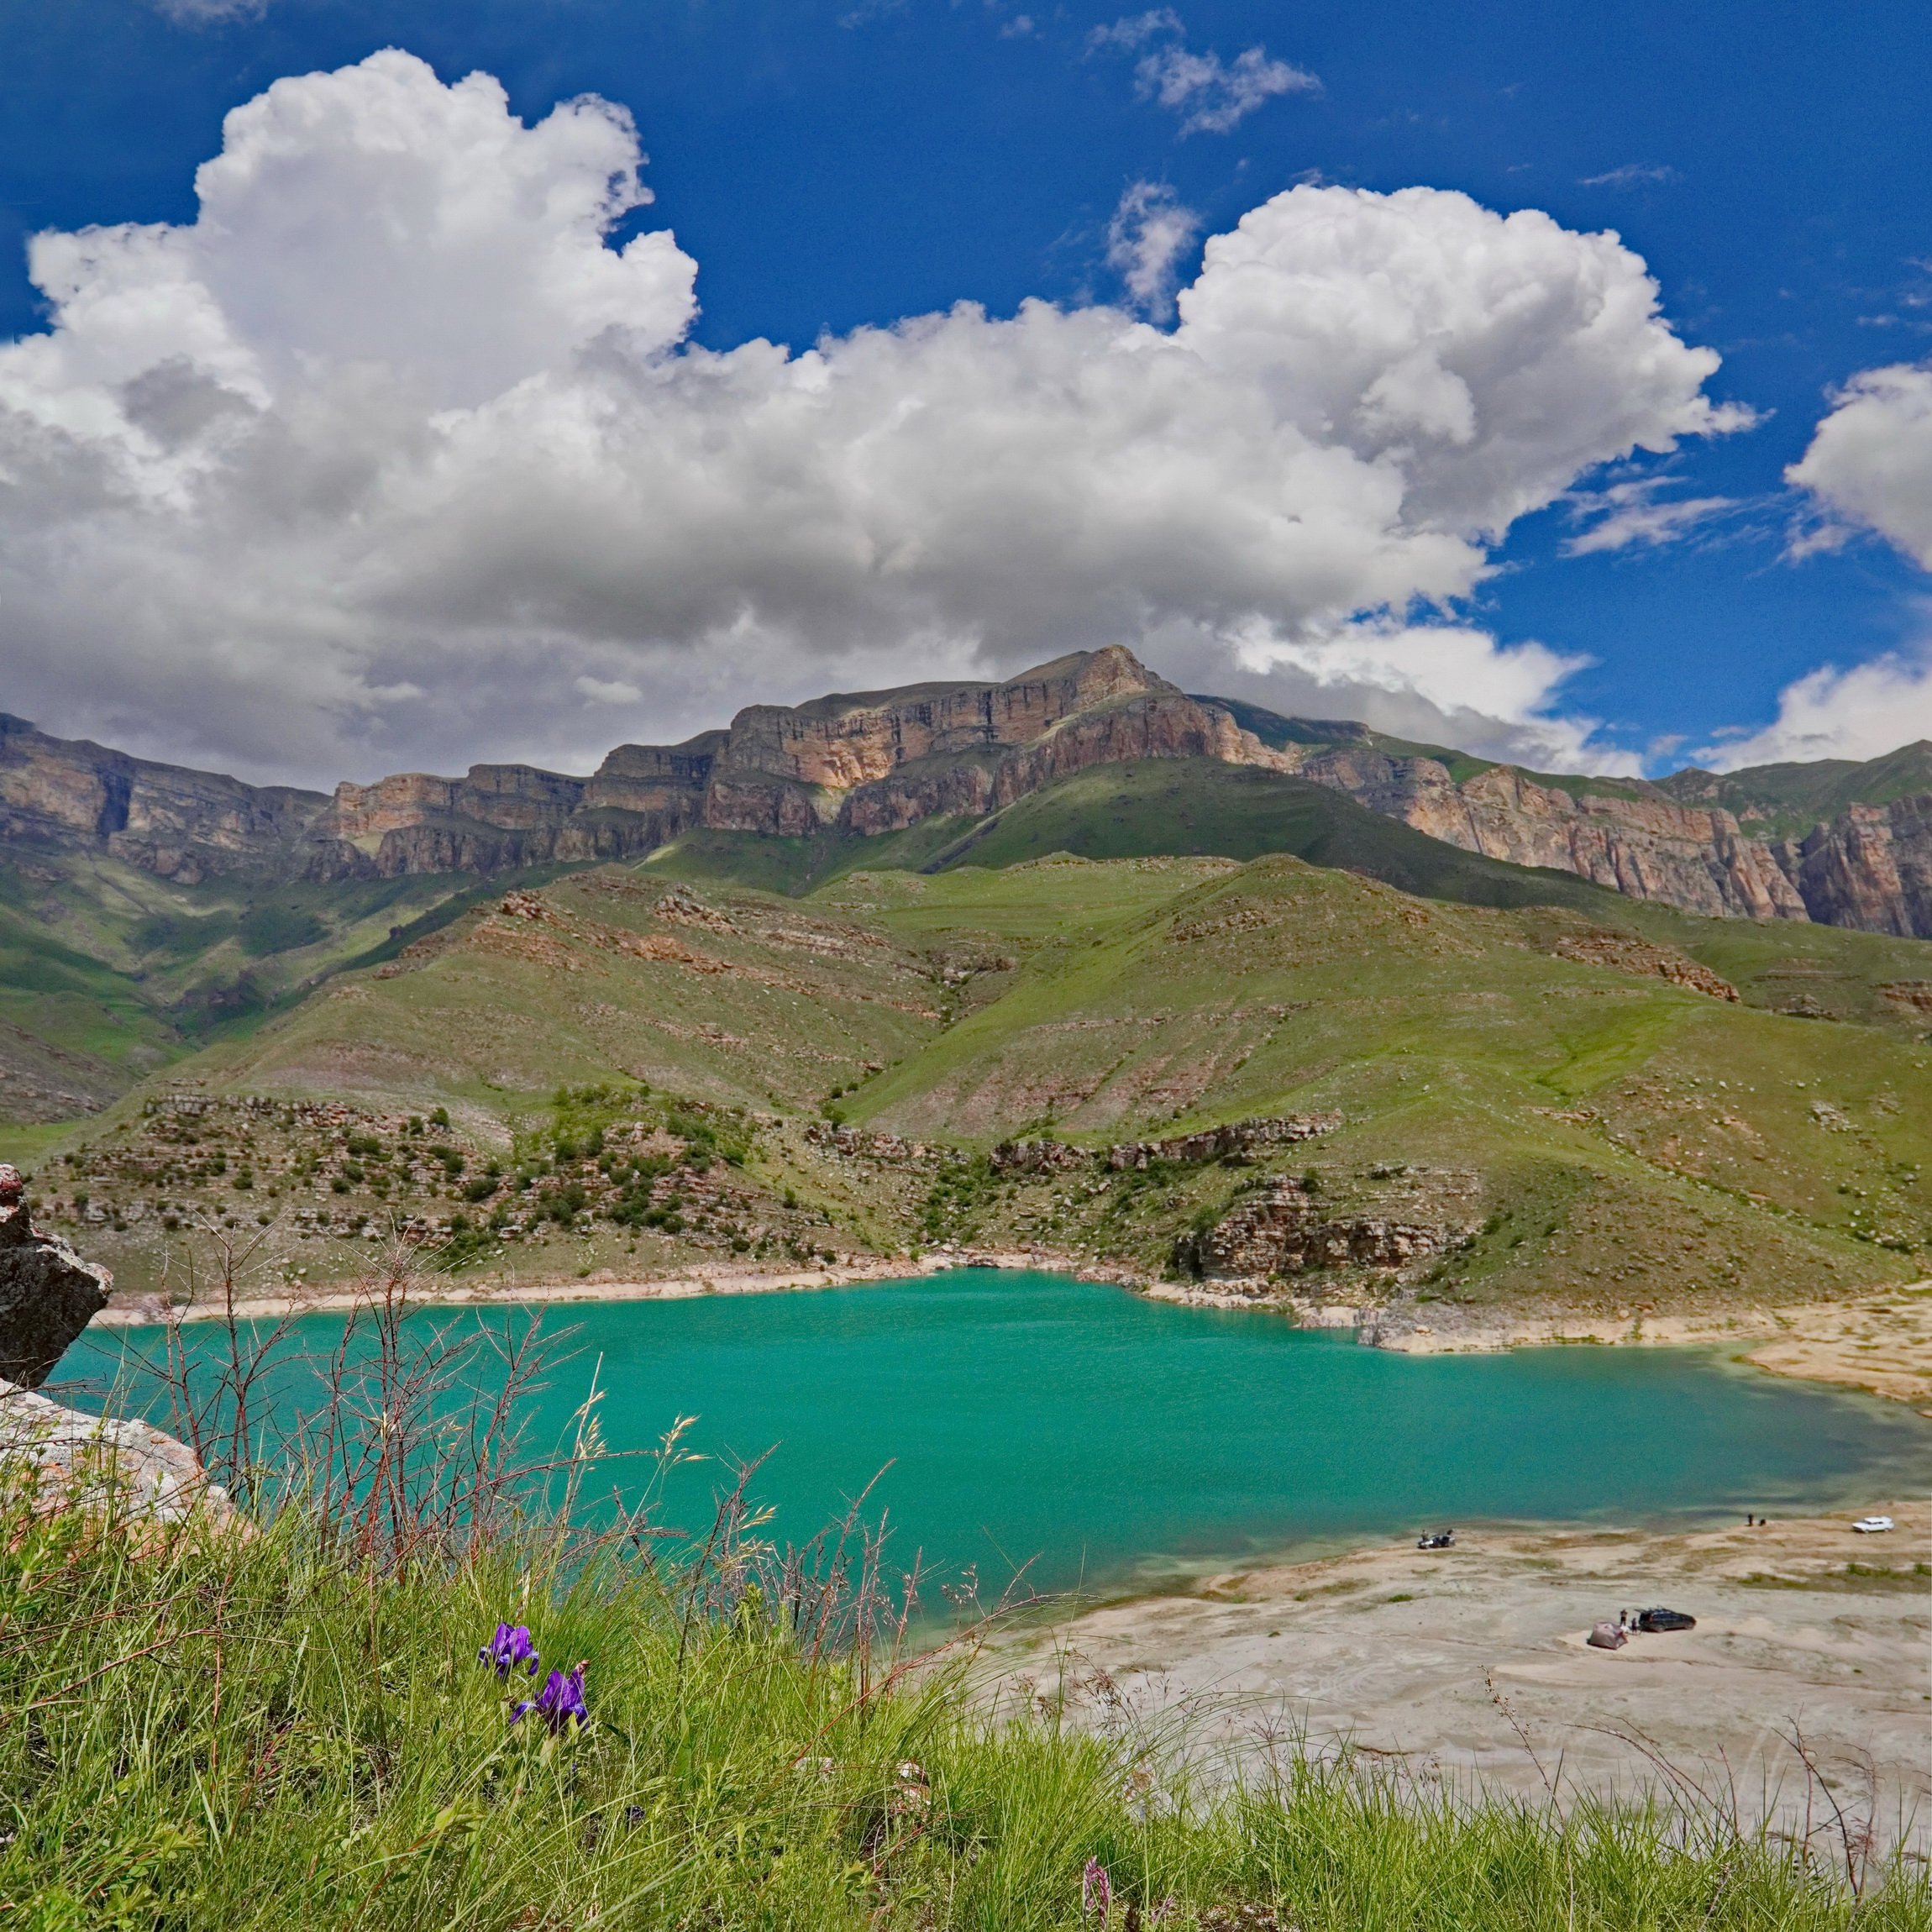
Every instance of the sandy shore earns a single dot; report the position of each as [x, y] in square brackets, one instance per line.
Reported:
[721, 1278]
[1471, 1665]
[1880, 1342]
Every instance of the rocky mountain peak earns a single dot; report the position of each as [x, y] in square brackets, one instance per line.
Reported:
[1833, 841]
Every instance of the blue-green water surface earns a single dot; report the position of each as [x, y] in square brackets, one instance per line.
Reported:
[1104, 1440]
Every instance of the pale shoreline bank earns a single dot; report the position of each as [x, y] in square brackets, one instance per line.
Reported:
[1880, 1343]
[1471, 1665]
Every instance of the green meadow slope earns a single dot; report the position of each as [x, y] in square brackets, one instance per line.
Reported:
[1562, 1086]
[107, 973]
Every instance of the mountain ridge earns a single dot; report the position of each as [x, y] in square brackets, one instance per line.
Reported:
[1835, 843]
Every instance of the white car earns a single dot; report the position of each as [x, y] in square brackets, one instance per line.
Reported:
[1872, 1525]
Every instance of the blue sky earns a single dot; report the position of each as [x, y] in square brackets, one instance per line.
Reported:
[839, 166]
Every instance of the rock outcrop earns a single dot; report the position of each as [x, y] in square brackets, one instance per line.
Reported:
[1624, 952]
[1282, 1230]
[1235, 1142]
[114, 1466]
[48, 1294]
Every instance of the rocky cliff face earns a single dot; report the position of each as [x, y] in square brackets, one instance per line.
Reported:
[886, 760]
[501, 816]
[879, 762]
[872, 763]
[1870, 867]
[1646, 846]
[181, 824]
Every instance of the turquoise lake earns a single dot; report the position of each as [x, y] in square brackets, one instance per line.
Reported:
[1110, 1441]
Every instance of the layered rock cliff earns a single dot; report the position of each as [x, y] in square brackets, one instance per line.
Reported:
[499, 817]
[886, 760]
[1843, 844]
[165, 819]
[869, 763]
[1869, 867]
[1630, 839]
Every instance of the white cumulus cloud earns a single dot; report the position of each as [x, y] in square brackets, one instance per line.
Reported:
[1860, 712]
[1870, 461]
[1869, 466]
[1442, 683]
[388, 458]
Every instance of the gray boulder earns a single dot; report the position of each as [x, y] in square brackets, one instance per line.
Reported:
[116, 1467]
[48, 1294]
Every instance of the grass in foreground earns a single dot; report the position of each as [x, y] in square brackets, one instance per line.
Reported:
[241, 1730]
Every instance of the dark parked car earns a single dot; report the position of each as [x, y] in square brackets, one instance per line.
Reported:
[1663, 1619]
[1437, 1540]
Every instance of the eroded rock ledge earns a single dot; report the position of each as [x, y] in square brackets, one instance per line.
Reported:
[1283, 1231]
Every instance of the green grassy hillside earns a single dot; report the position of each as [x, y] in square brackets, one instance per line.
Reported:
[1198, 808]
[107, 973]
[1171, 807]
[1624, 1129]
[1545, 1082]
[1786, 800]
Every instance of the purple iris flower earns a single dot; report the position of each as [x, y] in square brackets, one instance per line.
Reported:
[560, 1701]
[510, 1647]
